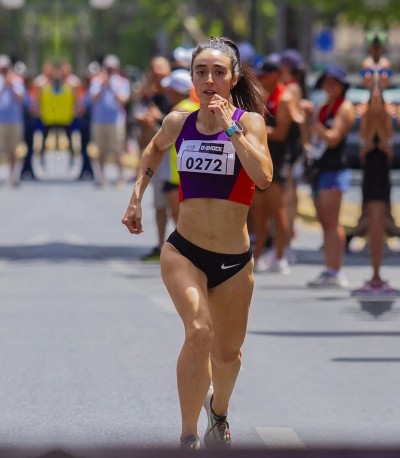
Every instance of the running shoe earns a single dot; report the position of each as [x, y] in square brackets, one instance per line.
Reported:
[376, 289]
[190, 442]
[153, 256]
[279, 266]
[263, 263]
[217, 434]
[327, 280]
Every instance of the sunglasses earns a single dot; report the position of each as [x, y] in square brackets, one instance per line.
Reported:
[386, 72]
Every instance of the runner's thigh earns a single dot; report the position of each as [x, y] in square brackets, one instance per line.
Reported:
[187, 286]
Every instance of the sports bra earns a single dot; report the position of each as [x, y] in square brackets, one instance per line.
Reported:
[209, 167]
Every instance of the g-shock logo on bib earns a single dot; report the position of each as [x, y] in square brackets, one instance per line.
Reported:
[211, 148]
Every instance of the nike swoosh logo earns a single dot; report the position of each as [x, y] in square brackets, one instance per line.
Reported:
[223, 267]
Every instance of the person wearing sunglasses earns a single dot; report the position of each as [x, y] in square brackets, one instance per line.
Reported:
[376, 154]
[376, 62]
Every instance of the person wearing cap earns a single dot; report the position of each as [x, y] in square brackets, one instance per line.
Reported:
[12, 94]
[109, 93]
[326, 132]
[270, 203]
[206, 262]
[178, 86]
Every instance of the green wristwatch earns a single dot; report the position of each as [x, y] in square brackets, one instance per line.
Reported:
[235, 127]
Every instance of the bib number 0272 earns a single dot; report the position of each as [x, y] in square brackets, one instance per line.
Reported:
[204, 165]
[220, 164]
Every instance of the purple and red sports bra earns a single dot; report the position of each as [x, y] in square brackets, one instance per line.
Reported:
[209, 167]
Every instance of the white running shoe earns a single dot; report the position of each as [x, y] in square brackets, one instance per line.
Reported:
[261, 264]
[279, 266]
[217, 434]
[327, 280]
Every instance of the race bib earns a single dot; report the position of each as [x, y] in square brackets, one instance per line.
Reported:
[214, 157]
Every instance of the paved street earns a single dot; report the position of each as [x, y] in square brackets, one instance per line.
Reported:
[89, 337]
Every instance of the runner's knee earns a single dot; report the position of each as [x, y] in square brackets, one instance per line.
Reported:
[200, 337]
[226, 356]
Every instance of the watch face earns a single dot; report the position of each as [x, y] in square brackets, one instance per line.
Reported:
[238, 126]
[235, 127]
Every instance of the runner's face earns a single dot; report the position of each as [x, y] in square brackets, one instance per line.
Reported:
[212, 74]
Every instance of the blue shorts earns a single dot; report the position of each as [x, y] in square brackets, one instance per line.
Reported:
[339, 180]
[218, 267]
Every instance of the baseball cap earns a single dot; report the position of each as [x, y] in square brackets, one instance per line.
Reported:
[183, 56]
[5, 61]
[111, 61]
[269, 64]
[179, 80]
[292, 58]
[334, 71]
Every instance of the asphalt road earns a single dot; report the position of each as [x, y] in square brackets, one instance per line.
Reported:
[89, 337]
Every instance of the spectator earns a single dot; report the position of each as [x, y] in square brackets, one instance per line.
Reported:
[376, 152]
[178, 86]
[83, 116]
[376, 46]
[270, 203]
[293, 75]
[375, 67]
[31, 124]
[327, 134]
[12, 93]
[57, 107]
[109, 93]
[154, 105]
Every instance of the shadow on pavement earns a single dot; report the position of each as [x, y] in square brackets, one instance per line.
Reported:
[59, 251]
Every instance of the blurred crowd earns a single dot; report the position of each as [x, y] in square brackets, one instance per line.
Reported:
[306, 136]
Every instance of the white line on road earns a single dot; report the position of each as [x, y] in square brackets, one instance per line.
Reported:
[280, 437]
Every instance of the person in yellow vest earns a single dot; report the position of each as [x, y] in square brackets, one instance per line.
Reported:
[57, 106]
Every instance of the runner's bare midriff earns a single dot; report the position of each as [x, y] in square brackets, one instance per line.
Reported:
[214, 224]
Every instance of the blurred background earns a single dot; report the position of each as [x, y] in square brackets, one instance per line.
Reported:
[82, 31]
